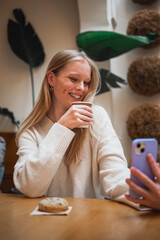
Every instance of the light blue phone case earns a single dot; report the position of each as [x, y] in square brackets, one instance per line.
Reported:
[140, 148]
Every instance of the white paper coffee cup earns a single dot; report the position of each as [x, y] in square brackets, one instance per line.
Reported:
[82, 103]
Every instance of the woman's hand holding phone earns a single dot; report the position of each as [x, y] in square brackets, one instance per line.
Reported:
[149, 197]
[144, 184]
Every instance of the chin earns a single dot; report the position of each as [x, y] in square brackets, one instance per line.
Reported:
[68, 105]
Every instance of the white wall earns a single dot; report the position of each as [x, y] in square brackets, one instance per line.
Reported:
[57, 23]
[124, 99]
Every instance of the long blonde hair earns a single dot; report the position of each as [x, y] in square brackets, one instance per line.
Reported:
[43, 103]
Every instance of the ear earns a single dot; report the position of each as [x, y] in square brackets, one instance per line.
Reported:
[51, 78]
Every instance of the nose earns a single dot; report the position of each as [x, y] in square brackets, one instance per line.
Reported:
[80, 86]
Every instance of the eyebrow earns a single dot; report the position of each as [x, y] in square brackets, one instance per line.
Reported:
[72, 73]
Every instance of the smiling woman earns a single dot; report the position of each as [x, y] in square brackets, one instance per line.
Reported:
[69, 84]
[65, 82]
[57, 156]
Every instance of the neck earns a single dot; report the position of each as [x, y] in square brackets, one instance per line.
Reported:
[55, 112]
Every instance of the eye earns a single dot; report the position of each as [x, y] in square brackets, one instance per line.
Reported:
[73, 79]
[87, 83]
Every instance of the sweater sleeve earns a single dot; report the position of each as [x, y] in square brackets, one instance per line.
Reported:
[113, 169]
[38, 163]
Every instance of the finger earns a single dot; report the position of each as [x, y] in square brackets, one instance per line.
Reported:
[82, 112]
[143, 178]
[141, 191]
[85, 107]
[85, 118]
[85, 112]
[138, 200]
[158, 165]
[154, 167]
[83, 123]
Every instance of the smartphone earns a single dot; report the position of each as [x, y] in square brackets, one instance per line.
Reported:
[140, 148]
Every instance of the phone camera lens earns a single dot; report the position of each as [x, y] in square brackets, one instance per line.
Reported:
[138, 145]
[142, 150]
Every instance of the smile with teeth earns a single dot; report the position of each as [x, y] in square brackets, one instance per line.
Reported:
[75, 96]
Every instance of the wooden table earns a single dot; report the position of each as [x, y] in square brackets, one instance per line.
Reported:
[90, 219]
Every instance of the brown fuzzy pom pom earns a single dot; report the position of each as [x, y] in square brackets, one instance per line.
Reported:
[144, 1]
[144, 122]
[144, 22]
[144, 76]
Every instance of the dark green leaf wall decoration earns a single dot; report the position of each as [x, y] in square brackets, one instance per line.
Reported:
[109, 80]
[104, 45]
[25, 43]
[6, 112]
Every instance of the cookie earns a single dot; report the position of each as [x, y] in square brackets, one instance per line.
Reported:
[53, 204]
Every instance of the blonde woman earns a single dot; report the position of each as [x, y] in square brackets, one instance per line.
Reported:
[56, 157]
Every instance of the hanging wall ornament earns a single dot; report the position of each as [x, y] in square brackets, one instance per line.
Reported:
[144, 76]
[144, 122]
[144, 22]
[104, 45]
[8, 113]
[109, 80]
[144, 1]
[25, 43]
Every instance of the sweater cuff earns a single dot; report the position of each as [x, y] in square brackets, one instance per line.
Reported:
[61, 137]
[137, 206]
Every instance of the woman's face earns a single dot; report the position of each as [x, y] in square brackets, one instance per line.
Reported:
[71, 84]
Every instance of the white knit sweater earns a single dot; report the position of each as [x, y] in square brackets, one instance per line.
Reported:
[41, 169]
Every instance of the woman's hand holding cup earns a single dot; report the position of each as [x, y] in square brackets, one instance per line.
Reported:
[79, 115]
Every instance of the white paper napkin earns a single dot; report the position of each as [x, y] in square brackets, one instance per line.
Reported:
[36, 212]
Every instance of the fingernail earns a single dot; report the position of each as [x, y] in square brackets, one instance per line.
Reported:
[132, 168]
